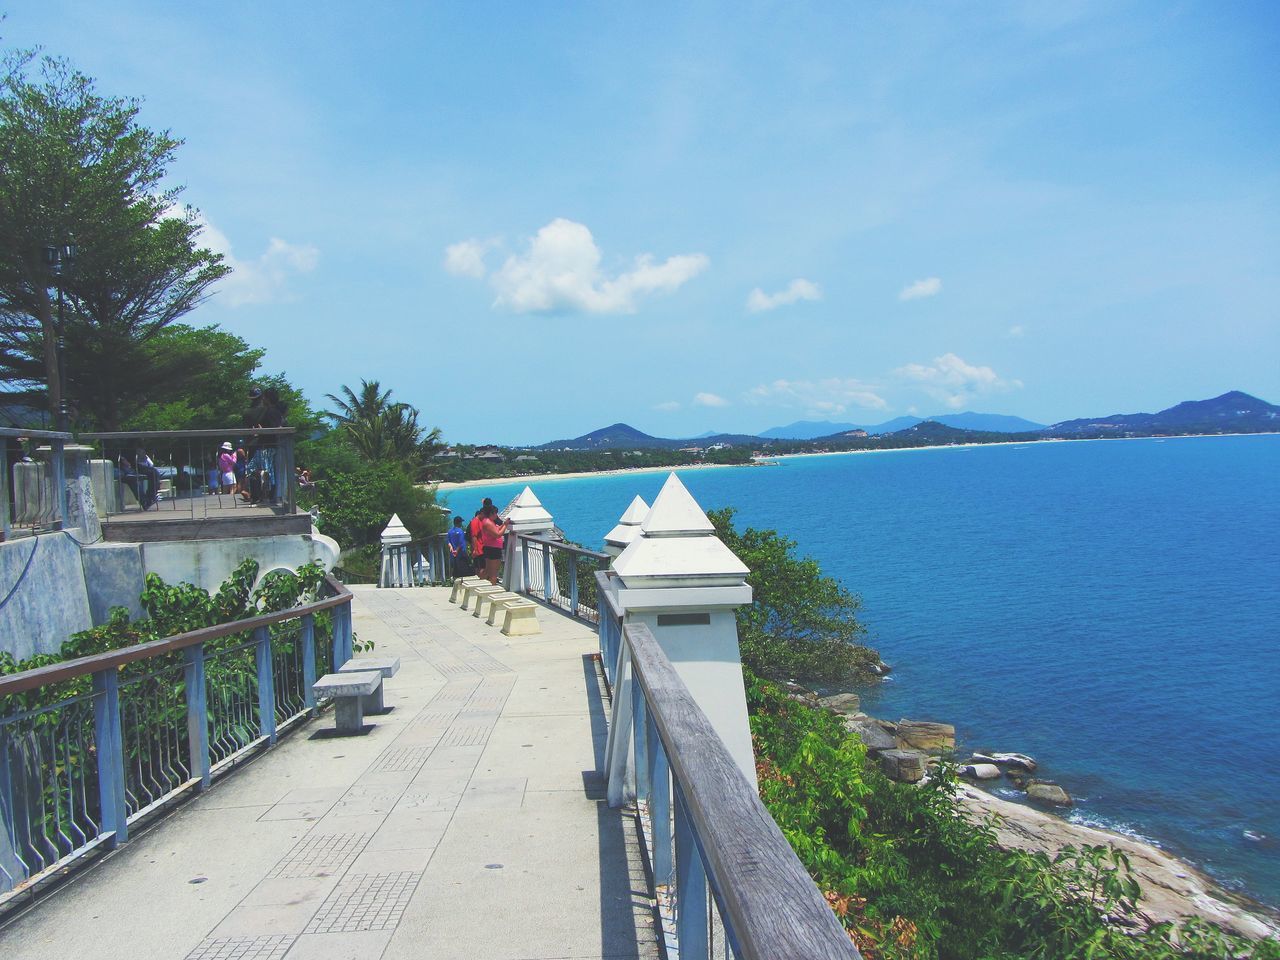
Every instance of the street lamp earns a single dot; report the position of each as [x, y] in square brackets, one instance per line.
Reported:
[60, 259]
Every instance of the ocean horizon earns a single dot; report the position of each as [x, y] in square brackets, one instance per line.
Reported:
[1107, 607]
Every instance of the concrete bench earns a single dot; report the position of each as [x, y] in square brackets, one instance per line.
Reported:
[348, 691]
[460, 586]
[472, 590]
[520, 618]
[482, 596]
[387, 666]
[498, 605]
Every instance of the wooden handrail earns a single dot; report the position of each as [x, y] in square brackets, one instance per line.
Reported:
[765, 894]
[83, 666]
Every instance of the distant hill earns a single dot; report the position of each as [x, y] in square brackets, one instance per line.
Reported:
[985, 422]
[1233, 412]
[622, 436]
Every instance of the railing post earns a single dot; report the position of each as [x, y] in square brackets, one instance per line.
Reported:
[546, 571]
[291, 476]
[197, 713]
[573, 584]
[639, 734]
[6, 520]
[691, 887]
[58, 470]
[659, 803]
[266, 683]
[109, 742]
[524, 565]
[307, 637]
[341, 634]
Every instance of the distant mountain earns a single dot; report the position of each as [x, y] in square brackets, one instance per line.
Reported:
[985, 422]
[807, 430]
[1233, 412]
[622, 436]
[709, 433]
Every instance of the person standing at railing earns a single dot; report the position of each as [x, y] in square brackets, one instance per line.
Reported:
[266, 409]
[474, 549]
[492, 532]
[457, 540]
[227, 469]
[147, 470]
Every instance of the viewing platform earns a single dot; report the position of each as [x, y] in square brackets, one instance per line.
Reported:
[469, 822]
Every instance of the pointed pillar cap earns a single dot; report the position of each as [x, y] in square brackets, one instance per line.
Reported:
[678, 547]
[675, 513]
[396, 532]
[628, 527]
[526, 512]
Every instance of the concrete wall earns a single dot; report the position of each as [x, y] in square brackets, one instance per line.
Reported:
[63, 588]
[49, 600]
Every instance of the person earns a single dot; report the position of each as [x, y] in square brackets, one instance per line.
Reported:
[266, 409]
[492, 529]
[457, 540]
[227, 469]
[473, 545]
[147, 470]
[303, 476]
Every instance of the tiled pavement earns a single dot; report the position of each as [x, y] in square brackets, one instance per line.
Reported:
[467, 823]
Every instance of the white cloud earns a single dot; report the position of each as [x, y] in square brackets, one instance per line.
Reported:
[709, 400]
[929, 287]
[954, 381]
[560, 270]
[798, 289]
[263, 279]
[667, 406]
[831, 396]
[466, 259]
[1016, 331]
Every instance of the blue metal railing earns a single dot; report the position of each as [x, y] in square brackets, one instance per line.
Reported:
[90, 746]
[561, 575]
[419, 563]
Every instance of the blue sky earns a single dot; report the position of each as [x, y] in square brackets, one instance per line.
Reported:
[531, 220]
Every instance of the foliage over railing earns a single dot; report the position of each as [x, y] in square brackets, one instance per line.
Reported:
[90, 744]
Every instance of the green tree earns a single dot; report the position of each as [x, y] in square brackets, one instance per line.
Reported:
[77, 168]
[380, 429]
[799, 624]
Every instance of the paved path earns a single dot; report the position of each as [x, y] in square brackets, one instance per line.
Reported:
[468, 823]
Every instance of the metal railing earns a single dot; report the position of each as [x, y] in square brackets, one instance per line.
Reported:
[90, 746]
[418, 563]
[561, 575]
[176, 473]
[33, 481]
[727, 881]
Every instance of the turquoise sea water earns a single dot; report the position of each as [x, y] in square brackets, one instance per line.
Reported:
[1111, 608]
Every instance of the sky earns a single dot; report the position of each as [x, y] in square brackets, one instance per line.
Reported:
[531, 220]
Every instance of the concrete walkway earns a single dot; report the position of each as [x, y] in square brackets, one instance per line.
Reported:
[468, 823]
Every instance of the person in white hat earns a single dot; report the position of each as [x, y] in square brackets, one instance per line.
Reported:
[227, 467]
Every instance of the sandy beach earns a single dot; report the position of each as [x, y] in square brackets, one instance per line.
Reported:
[544, 477]
[1171, 889]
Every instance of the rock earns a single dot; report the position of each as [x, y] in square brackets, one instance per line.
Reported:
[1018, 781]
[905, 766]
[980, 771]
[873, 736]
[1019, 761]
[800, 694]
[981, 758]
[926, 735]
[1046, 791]
[844, 703]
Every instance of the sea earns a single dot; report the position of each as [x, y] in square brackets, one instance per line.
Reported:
[1111, 608]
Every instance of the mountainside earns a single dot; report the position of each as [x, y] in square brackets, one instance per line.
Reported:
[1233, 412]
[807, 430]
[989, 422]
[986, 422]
[622, 436]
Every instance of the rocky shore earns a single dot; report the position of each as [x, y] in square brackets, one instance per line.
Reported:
[1171, 889]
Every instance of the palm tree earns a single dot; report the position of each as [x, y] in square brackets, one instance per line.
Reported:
[379, 428]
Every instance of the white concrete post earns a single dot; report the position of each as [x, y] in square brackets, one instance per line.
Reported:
[627, 529]
[528, 516]
[396, 570]
[684, 583]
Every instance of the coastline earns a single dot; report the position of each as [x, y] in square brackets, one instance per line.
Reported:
[1171, 888]
[445, 486]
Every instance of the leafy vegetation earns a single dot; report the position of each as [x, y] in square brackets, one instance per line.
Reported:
[457, 469]
[382, 430]
[800, 624]
[911, 877]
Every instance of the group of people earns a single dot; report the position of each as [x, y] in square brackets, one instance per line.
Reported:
[141, 476]
[476, 548]
[251, 474]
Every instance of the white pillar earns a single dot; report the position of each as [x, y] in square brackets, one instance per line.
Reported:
[395, 565]
[627, 529]
[527, 516]
[680, 580]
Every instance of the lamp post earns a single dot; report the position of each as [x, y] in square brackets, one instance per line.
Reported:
[59, 260]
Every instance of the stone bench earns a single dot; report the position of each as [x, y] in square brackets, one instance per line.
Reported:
[348, 691]
[485, 597]
[460, 586]
[474, 591]
[497, 605]
[387, 666]
[520, 618]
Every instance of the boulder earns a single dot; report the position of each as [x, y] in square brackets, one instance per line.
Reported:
[1046, 791]
[873, 736]
[1019, 761]
[800, 694]
[980, 771]
[844, 703]
[905, 766]
[926, 735]
[981, 758]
